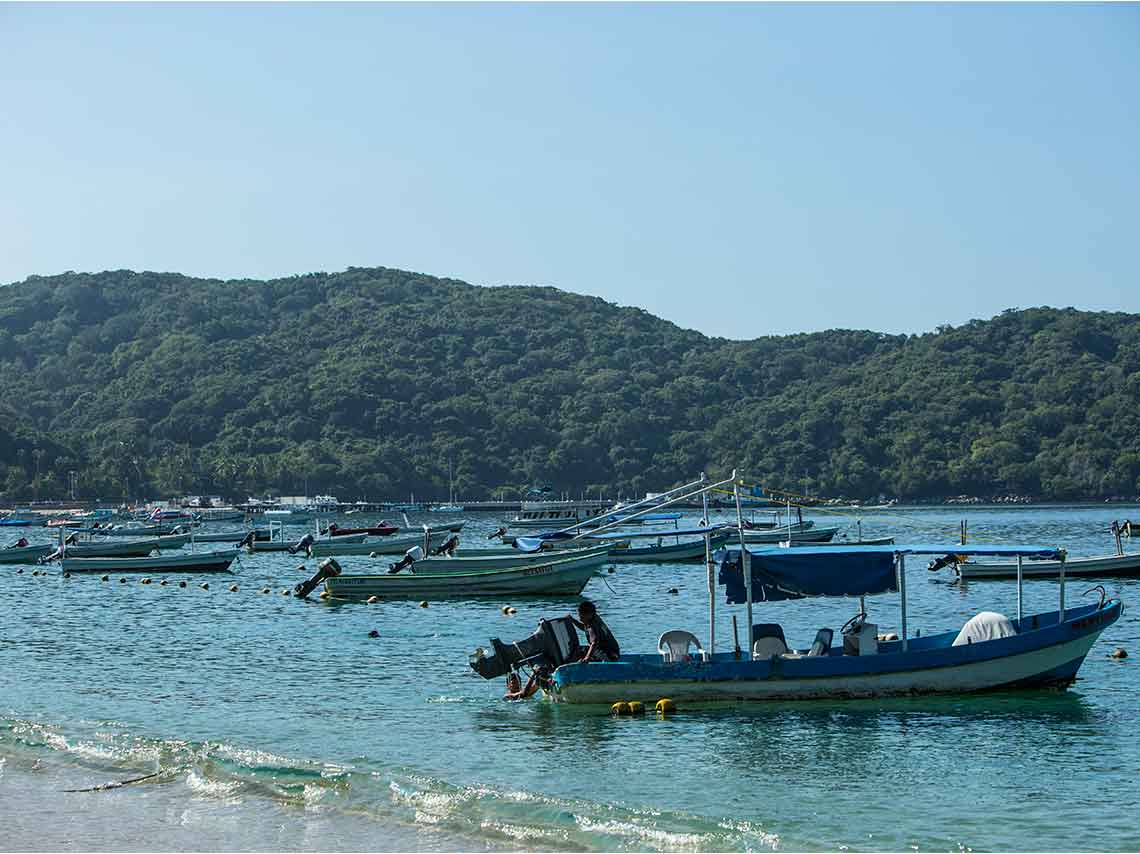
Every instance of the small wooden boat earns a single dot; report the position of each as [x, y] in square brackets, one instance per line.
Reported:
[200, 562]
[1101, 566]
[473, 561]
[126, 548]
[261, 534]
[380, 529]
[565, 576]
[24, 554]
[386, 546]
[794, 535]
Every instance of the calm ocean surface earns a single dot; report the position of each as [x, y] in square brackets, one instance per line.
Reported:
[279, 724]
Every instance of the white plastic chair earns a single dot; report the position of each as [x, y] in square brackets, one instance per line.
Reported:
[674, 645]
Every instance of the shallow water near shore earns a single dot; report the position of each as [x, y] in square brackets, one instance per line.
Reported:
[272, 723]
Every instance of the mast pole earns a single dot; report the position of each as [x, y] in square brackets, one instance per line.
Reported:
[1061, 609]
[745, 560]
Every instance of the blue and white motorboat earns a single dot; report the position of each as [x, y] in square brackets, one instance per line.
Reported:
[989, 652]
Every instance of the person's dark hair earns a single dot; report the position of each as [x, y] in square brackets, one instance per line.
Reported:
[587, 608]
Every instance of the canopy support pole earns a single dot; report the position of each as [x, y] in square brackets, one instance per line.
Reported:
[709, 569]
[902, 596]
[1019, 592]
[745, 562]
[1061, 608]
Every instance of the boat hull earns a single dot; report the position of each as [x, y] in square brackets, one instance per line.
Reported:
[25, 554]
[203, 562]
[1127, 565]
[1042, 657]
[563, 577]
[387, 546]
[669, 553]
[796, 535]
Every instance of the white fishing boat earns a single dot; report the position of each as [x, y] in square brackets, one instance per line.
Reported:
[193, 562]
[472, 561]
[554, 515]
[558, 575]
[395, 545]
[1100, 566]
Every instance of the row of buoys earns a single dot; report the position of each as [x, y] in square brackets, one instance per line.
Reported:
[635, 707]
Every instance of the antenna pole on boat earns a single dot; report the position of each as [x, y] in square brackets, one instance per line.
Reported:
[745, 559]
[902, 596]
[1019, 592]
[710, 571]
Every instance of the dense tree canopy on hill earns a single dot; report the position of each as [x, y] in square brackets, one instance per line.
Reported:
[364, 384]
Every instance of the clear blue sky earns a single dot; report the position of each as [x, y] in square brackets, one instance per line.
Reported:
[738, 169]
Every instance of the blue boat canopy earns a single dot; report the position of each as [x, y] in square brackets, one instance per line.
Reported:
[795, 573]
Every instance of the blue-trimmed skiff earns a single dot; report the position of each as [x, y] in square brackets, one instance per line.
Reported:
[1042, 654]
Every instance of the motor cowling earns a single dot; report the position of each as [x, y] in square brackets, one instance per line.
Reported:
[327, 568]
[554, 643]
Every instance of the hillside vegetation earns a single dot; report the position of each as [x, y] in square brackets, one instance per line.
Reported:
[364, 383]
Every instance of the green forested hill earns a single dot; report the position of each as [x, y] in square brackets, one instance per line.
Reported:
[364, 383]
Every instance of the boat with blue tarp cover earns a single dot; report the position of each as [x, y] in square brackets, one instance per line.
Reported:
[989, 652]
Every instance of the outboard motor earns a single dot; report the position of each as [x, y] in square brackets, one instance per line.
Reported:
[304, 544]
[554, 643]
[410, 557]
[448, 547]
[48, 558]
[327, 568]
[499, 534]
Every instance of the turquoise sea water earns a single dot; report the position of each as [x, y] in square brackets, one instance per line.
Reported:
[275, 723]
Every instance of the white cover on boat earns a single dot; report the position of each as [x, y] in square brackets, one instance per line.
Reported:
[985, 626]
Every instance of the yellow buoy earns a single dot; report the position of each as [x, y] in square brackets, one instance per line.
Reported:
[163, 583]
[512, 611]
[105, 578]
[636, 707]
[506, 609]
[204, 586]
[371, 600]
[665, 705]
[233, 588]
[145, 581]
[324, 594]
[423, 604]
[620, 708]
[286, 592]
[67, 575]
[1119, 652]
[372, 554]
[264, 589]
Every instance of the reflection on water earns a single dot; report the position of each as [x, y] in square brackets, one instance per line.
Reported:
[265, 712]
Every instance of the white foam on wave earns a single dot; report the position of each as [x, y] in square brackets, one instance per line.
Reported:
[204, 787]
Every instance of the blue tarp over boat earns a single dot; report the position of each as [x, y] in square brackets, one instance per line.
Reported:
[780, 574]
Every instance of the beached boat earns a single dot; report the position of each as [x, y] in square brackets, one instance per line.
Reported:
[556, 576]
[989, 652]
[24, 554]
[199, 562]
[1101, 566]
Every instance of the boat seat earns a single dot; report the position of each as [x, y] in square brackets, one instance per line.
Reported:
[768, 641]
[822, 643]
[674, 645]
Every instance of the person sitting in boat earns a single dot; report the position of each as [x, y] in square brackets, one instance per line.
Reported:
[448, 547]
[21, 543]
[410, 557]
[601, 643]
[303, 545]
